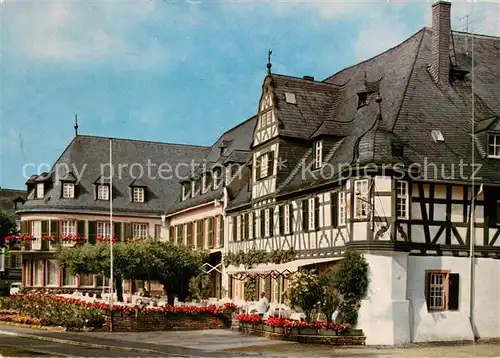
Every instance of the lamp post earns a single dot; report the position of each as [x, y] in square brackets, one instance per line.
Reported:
[111, 274]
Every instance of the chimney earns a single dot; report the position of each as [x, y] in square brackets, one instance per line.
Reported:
[441, 37]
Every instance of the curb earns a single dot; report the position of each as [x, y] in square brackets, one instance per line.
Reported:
[82, 344]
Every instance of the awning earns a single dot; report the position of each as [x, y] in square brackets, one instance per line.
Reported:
[274, 269]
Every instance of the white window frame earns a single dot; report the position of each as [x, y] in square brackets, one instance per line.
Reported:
[437, 291]
[267, 218]
[342, 208]
[138, 194]
[402, 200]
[40, 190]
[361, 207]
[103, 192]
[47, 273]
[204, 183]
[238, 228]
[68, 190]
[250, 225]
[36, 232]
[312, 213]
[103, 229]
[72, 279]
[140, 230]
[286, 219]
[264, 165]
[38, 273]
[318, 154]
[68, 227]
[495, 146]
[216, 179]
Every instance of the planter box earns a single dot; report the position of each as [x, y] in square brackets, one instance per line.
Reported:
[294, 331]
[354, 332]
[308, 331]
[278, 330]
[259, 327]
[246, 325]
[268, 328]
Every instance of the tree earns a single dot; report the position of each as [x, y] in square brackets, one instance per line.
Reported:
[7, 225]
[331, 298]
[95, 259]
[173, 266]
[305, 292]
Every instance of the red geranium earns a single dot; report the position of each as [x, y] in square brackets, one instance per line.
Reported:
[106, 239]
[249, 318]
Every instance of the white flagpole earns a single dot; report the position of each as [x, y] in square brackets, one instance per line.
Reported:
[473, 202]
[111, 278]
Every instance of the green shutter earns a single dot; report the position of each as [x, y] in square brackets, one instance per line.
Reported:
[28, 227]
[305, 215]
[54, 228]
[316, 213]
[199, 234]
[454, 291]
[81, 227]
[211, 232]
[157, 231]
[235, 229]
[262, 223]
[24, 227]
[117, 230]
[128, 231]
[334, 209]
[281, 216]
[257, 167]
[271, 222]
[290, 217]
[45, 227]
[92, 232]
[172, 233]
[270, 163]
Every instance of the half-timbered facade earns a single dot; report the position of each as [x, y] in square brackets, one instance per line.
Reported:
[383, 157]
[72, 202]
[197, 218]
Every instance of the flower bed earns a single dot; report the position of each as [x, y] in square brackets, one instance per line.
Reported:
[76, 314]
[300, 331]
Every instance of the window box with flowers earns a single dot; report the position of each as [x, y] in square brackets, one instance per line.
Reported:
[71, 240]
[52, 240]
[24, 240]
[106, 239]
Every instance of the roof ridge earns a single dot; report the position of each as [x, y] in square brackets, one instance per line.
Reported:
[231, 129]
[307, 81]
[476, 35]
[380, 54]
[139, 141]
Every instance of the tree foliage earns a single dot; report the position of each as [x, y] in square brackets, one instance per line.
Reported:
[305, 292]
[254, 257]
[7, 225]
[330, 298]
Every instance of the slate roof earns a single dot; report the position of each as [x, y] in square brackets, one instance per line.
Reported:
[8, 197]
[236, 144]
[412, 105]
[86, 155]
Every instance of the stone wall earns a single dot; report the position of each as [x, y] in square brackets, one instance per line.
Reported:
[163, 322]
[344, 340]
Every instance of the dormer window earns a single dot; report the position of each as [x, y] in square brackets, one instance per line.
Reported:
[186, 190]
[493, 145]
[68, 190]
[318, 154]
[40, 191]
[217, 178]
[362, 99]
[204, 183]
[290, 98]
[138, 195]
[265, 165]
[102, 192]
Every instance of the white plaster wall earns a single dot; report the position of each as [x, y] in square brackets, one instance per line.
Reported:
[196, 214]
[455, 325]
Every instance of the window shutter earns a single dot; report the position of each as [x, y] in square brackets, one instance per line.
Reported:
[128, 231]
[305, 215]
[281, 220]
[24, 227]
[29, 228]
[257, 167]
[247, 226]
[454, 291]
[117, 230]
[255, 225]
[211, 232]
[199, 234]
[334, 209]
[235, 229]
[93, 232]
[80, 228]
[427, 288]
[54, 228]
[172, 233]
[45, 227]
[316, 213]
[262, 223]
[270, 163]
[271, 221]
[290, 217]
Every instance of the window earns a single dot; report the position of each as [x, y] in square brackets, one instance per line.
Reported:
[36, 229]
[51, 273]
[288, 219]
[220, 231]
[210, 232]
[361, 198]
[262, 223]
[186, 190]
[318, 154]
[68, 228]
[103, 229]
[38, 272]
[204, 183]
[342, 208]
[250, 226]
[238, 228]
[138, 195]
[16, 262]
[267, 218]
[140, 230]
[442, 290]
[265, 165]
[40, 192]
[334, 213]
[256, 221]
[158, 231]
[189, 234]
[305, 214]
[199, 234]
[102, 192]
[68, 278]
[362, 99]
[290, 98]
[217, 178]
[494, 145]
[402, 200]
[313, 213]
[86, 280]
[68, 190]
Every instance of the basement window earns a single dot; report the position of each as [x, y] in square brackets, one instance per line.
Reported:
[442, 290]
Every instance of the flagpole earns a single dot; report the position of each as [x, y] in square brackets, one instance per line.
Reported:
[473, 202]
[111, 274]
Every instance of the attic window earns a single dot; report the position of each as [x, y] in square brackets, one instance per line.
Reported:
[68, 190]
[362, 99]
[138, 195]
[397, 150]
[290, 98]
[493, 145]
[318, 154]
[437, 136]
[40, 192]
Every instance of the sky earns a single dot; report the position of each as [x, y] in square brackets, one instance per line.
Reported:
[176, 71]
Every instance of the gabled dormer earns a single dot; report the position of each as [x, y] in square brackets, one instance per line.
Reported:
[267, 124]
[38, 186]
[138, 191]
[102, 188]
[68, 186]
[487, 137]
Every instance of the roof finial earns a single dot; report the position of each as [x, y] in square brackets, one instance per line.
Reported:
[269, 65]
[76, 125]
